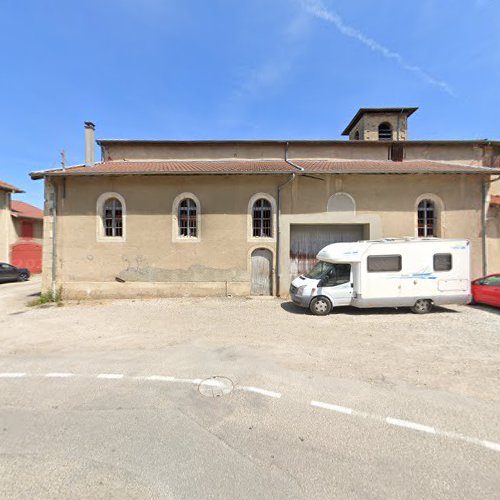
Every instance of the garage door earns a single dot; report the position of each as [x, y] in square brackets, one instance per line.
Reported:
[307, 240]
[27, 255]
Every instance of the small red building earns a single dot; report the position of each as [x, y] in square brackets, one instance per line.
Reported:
[26, 250]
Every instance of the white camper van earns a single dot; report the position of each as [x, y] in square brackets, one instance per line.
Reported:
[410, 272]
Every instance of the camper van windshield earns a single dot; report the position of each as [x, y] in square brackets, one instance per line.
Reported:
[319, 270]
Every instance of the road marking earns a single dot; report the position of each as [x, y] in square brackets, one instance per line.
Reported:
[410, 425]
[407, 424]
[110, 375]
[155, 378]
[491, 445]
[258, 390]
[328, 406]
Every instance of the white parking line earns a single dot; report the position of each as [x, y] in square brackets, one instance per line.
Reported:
[258, 390]
[410, 425]
[110, 375]
[155, 378]
[491, 445]
[407, 424]
[12, 375]
[328, 406]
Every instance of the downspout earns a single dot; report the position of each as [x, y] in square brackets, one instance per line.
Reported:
[278, 218]
[484, 222]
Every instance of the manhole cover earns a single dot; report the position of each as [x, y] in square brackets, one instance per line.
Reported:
[215, 387]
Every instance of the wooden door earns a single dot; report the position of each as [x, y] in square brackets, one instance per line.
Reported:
[262, 266]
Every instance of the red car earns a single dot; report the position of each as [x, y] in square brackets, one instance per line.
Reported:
[486, 290]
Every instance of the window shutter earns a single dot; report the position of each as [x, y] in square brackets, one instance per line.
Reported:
[397, 151]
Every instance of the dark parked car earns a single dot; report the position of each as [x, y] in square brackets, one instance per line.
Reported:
[11, 273]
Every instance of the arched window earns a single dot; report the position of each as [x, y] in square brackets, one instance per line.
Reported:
[356, 135]
[111, 214]
[341, 203]
[262, 226]
[113, 218]
[187, 218]
[426, 218]
[384, 132]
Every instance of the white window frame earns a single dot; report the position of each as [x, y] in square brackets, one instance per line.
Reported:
[100, 233]
[439, 210]
[251, 202]
[176, 238]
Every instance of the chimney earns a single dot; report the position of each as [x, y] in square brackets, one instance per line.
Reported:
[89, 144]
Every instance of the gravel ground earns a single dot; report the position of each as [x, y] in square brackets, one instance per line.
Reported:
[456, 349]
[127, 436]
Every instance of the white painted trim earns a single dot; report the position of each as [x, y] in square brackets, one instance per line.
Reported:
[100, 236]
[175, 219]
[440, 209]
[251, 202]
[342, 193]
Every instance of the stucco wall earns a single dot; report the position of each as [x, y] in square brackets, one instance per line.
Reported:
[152, 263]
[468, 153]
[17, 223]
[493, 232]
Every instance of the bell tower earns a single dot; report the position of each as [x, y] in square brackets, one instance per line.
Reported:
[379, 124]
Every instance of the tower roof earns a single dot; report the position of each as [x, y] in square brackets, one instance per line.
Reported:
[363, 111]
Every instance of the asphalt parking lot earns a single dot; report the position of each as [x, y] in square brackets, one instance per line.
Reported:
[379, 403]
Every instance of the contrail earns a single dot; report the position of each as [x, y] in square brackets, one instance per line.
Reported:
[316, 8]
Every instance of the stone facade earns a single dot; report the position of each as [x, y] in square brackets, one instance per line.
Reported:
[149, 260]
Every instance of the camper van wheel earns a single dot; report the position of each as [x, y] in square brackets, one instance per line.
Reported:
[422, 306]
[320, 306]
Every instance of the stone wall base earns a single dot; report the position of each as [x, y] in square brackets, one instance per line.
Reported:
[132, 290]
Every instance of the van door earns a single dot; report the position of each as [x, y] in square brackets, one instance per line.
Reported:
[339, 286]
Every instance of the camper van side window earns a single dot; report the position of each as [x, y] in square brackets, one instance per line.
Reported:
[442, 262]
[384, 263]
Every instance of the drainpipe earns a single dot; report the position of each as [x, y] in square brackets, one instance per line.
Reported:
[278, 218]
[484, 222]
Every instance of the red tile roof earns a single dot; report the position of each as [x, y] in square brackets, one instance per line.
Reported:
[495, 200]
[9, 187]
[193, 167]
[22, 209]
[391, 167]
[176, 167]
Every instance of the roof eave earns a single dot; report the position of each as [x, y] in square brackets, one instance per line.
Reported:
[11, 189]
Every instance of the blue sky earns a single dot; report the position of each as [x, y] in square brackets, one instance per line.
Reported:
[198, 69]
